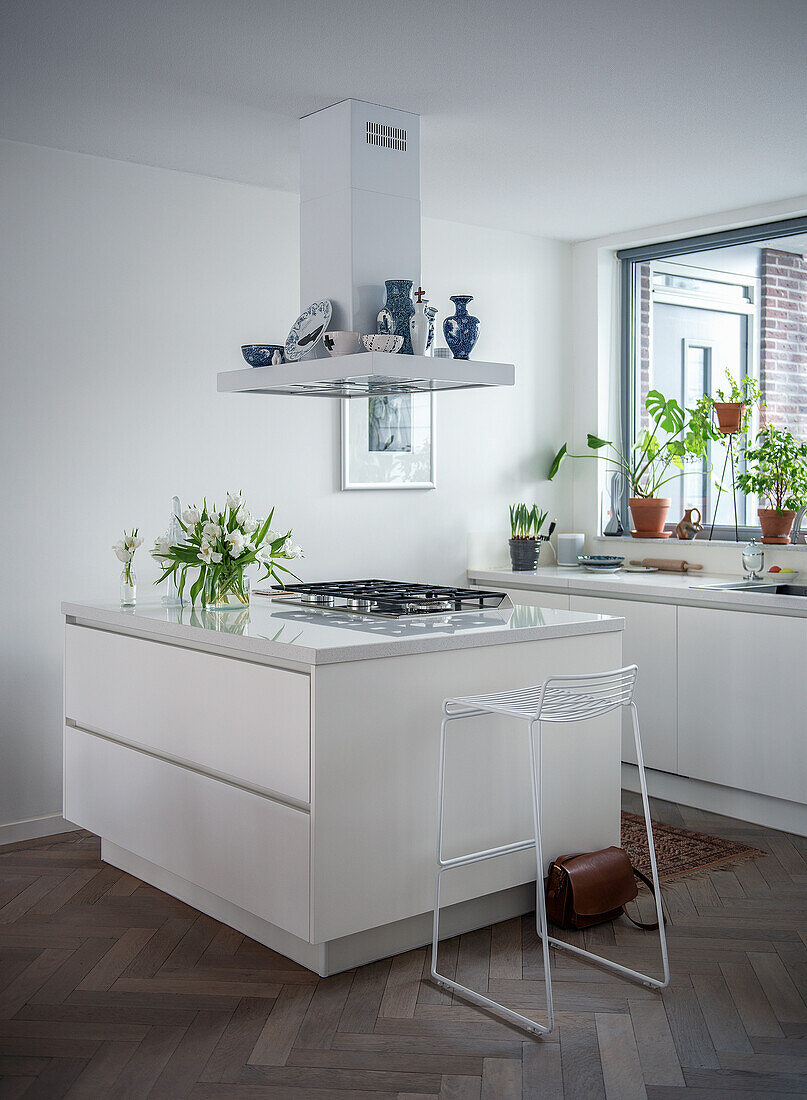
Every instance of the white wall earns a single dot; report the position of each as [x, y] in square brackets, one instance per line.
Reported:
[126, 289]
[595, 358]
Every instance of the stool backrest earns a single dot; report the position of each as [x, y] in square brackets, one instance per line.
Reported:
[574, 698]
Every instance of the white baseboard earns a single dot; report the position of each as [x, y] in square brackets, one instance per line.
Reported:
[759, 809]
[34, 827]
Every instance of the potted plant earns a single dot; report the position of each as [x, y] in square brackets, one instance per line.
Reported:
[221, 544]
[525, 546]
[776, 471]
[733, 409]
[733, 414]
[676, 436]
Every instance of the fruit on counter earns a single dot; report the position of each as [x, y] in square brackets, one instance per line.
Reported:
[786, 570]
[775, 569]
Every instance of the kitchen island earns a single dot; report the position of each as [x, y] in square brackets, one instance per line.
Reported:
[276, 767]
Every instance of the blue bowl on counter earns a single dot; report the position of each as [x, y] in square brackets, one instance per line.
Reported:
[601, 563]
[262, 355]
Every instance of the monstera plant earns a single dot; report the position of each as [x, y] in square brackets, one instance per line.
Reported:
[675, 436]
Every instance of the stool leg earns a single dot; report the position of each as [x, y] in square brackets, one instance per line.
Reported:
[447, 983]
[540, 897]
[440, 800]
[635, 975]
[651, 847]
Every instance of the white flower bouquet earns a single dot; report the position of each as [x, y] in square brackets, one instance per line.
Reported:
[221, 544]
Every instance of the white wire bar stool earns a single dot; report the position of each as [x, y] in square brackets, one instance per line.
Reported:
[558, 699]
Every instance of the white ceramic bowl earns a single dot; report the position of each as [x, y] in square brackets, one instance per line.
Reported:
[342, 343]
[383, 341]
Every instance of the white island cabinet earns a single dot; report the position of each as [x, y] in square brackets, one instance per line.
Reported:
[277, 768]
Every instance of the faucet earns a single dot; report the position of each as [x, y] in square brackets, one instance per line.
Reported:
[796, 534]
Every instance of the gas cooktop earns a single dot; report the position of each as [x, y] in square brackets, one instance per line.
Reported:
[386, 599]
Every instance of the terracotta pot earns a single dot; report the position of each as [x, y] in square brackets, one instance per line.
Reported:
[649, 516]
[775, 525]
[729, 416]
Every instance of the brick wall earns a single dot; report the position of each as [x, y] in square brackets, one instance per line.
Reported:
[783, 325]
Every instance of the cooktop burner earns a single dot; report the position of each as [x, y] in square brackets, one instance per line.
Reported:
[386, 599]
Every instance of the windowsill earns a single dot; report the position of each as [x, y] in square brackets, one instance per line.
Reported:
[699, 542]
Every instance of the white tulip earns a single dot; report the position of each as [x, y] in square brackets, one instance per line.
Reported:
[208, 554]
[234, 501]
[250, 524]
[211, 531]
[121, 552]
[132, 543]
[237, 543]
[292, 550]
[191, 516]
[162, 547]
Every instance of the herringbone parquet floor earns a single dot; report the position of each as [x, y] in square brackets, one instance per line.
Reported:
[110, 988]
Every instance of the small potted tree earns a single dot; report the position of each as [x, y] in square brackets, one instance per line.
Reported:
[733, 409]
[776, 471]
[676, 436]
[525, 545]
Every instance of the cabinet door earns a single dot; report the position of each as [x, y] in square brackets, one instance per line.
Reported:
[239, 719]
[649, 642]
[556, 599]
[743, 699]
[248, 849]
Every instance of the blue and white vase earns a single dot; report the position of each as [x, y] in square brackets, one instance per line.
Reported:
[431, 313]
[400, 308]
[462, 330]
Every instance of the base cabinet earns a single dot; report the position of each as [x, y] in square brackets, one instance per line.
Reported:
[649, 642]
[743, 700]
[237, 844]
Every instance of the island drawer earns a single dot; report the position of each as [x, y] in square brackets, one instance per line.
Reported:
[243, 847]
[241, 719]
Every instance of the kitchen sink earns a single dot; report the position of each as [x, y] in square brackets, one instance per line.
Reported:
[764, 588]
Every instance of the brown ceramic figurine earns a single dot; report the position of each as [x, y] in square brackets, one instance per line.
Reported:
[688, 528]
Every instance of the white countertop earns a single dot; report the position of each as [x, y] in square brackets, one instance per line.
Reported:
[681, 588]
[269, 630]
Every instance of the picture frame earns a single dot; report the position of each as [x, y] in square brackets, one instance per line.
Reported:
[388, 442]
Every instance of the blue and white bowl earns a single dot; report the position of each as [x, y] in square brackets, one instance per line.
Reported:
[262, 355]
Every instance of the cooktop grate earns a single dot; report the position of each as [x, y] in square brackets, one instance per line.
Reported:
[388, 599]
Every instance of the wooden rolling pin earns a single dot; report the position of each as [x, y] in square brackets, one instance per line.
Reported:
[667, 565]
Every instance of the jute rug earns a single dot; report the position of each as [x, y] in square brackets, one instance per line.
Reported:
[679, 851]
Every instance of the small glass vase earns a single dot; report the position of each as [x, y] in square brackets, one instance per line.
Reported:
[227, 592]
[128, 586]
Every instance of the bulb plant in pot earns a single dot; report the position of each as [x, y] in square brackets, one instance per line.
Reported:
[776, 472]
[675, 436]
[525, 546]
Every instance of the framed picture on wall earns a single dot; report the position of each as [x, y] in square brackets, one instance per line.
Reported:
[388, 442]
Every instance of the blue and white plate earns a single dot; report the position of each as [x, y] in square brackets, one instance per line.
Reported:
[307, 330]
[601, 563]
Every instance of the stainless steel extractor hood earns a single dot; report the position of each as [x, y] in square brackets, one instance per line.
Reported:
[360, 225]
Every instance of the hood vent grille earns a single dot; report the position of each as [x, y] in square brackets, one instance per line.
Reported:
[388, 137]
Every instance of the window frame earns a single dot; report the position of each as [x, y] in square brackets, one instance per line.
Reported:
[629, 260]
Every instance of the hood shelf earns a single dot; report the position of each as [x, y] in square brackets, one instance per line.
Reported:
[367, 374]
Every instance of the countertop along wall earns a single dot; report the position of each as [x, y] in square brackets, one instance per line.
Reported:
[127, 289]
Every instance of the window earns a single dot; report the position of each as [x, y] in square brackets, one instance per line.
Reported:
[693, 310]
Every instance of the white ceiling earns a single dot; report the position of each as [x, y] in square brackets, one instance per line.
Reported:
[567, 118]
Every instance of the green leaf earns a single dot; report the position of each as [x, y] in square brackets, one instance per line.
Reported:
[556, 461]
[595, 442]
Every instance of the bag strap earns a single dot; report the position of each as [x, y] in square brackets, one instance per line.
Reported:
[638, 923]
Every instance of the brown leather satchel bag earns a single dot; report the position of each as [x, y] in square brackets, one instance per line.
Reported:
[592, 888]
